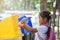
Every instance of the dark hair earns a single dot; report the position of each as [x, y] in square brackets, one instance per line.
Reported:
[45, 14]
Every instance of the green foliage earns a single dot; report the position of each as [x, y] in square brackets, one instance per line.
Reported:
[19, 5]
[50, 6]
[38, 1]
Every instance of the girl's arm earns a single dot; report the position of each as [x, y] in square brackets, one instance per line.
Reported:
[33, 30]
[24, 25]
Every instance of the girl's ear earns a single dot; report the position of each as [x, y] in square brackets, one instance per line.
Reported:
[45, 20]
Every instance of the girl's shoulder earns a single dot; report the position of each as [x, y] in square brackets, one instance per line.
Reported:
[42, 28]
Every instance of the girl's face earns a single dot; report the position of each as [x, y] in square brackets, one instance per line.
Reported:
[42, 20]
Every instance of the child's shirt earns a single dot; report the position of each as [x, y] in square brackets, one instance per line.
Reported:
[42, 29]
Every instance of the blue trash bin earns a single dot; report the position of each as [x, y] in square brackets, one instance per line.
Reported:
[28, 20]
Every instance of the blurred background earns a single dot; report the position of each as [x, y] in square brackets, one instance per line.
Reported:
[32, 8]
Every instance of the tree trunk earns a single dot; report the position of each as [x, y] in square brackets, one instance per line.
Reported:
[43, 5]
[2, 6]
[58, 5]
[27, 4]
[58, 8]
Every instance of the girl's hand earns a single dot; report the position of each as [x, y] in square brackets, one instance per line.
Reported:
[22, 23]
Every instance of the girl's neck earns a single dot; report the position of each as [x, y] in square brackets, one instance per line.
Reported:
[44, 23]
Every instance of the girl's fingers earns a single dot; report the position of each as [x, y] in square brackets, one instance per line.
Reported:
[19, 24]
[23, 22]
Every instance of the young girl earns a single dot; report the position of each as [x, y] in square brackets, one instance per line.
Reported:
[43, 31]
